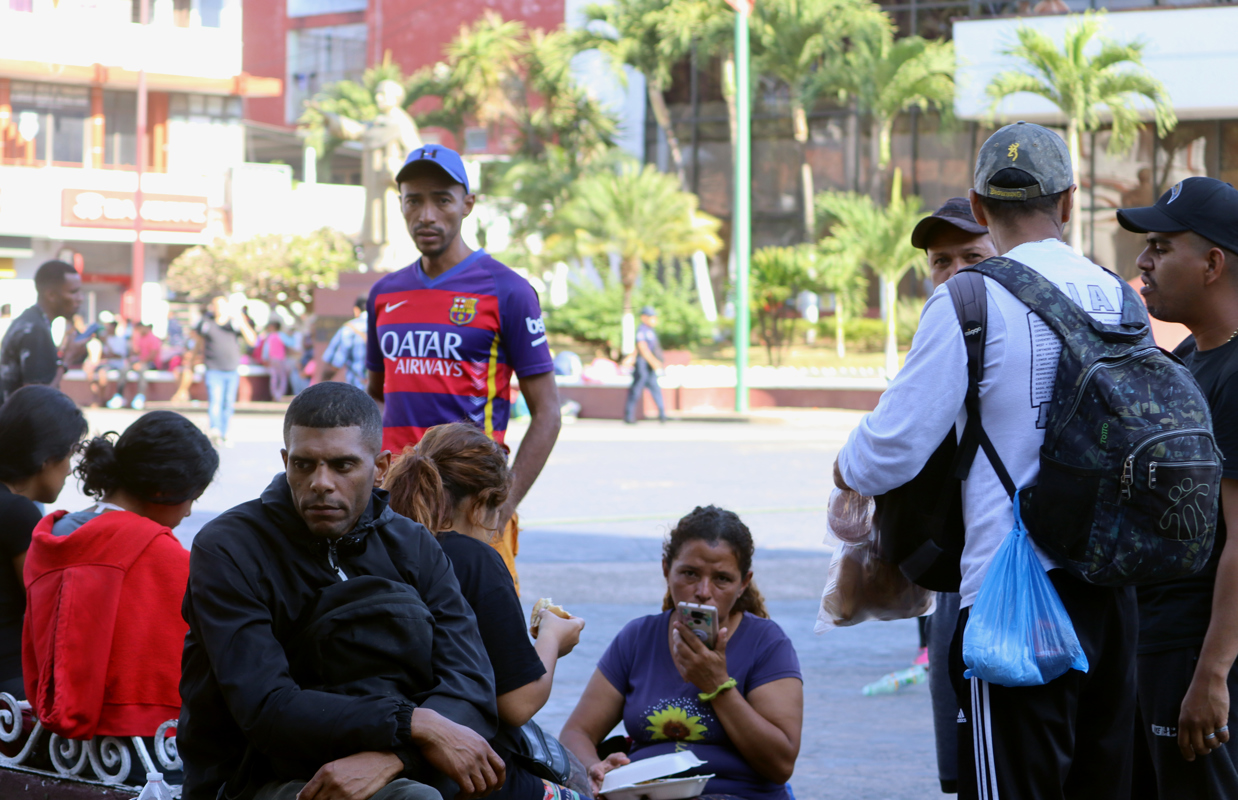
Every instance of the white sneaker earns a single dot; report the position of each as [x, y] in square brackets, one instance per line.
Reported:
[139, 402]
[116, 402]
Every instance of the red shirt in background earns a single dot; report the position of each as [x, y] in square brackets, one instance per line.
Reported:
[146, 349]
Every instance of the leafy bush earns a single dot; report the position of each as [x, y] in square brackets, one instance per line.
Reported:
[595, 316]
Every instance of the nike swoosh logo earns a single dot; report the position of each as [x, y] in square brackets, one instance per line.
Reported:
[391, 308]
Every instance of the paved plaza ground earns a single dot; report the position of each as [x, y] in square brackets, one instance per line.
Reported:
[593, 529]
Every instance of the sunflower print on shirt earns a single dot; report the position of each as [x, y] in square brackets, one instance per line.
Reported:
[678, 720]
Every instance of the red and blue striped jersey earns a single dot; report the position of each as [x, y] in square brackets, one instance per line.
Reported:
[447, 347]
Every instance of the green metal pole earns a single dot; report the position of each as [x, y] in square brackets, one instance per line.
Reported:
[743, 206]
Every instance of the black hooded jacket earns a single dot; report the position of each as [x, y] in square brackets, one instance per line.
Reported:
[288, 666]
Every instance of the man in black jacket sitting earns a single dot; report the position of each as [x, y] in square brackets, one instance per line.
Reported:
[330, 654]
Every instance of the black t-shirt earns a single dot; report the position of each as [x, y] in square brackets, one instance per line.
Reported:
[487, 586]
[28, 353]
[18, 516]
[222, 351]
[1176, 614]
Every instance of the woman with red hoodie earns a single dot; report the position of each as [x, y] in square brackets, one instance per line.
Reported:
[109, 580]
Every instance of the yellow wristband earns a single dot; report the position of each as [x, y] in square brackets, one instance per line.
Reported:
[728, 684]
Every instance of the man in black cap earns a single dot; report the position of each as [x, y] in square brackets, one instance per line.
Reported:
[952, 240]
[1188, 629]
[647, 362]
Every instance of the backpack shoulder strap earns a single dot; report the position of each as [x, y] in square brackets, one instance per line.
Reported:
[971, 306]
[1062, 314]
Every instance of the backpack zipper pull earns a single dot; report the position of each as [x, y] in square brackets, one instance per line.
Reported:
[1151, 474]
[331, 559]
[1128, 476]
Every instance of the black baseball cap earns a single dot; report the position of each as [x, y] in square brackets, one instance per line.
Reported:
[1205, 206]
[955, 212]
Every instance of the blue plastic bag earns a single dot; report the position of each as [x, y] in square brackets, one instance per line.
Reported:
[1018, 632]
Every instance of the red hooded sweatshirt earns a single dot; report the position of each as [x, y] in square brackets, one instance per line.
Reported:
[103, 634]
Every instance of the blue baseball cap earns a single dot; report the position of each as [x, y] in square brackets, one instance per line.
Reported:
[444, 158]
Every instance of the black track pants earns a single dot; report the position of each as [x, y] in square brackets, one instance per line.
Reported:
[1070, 739]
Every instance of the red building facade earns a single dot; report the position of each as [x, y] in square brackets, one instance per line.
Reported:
[311, 43]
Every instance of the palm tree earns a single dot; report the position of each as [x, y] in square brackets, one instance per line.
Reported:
[841, 273]
[485, 63]
[627, 32]
[885, 76]
[796, 41]
[779, 274]
[640, 214]
[1079, 84]
[880, 239]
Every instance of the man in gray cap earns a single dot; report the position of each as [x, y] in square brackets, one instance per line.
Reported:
[1071, 737]
[1188, 629]
[647, 364]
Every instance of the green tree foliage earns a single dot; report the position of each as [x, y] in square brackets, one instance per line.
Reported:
[638, 213]
[592, 315]
[885, 76]
[797, 41]
[275, 269]
[843, 276]
[630, 33]
[880, 239]
[778, 275]
[1086, 73]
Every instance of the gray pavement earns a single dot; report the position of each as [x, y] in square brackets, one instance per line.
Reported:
[593, 527]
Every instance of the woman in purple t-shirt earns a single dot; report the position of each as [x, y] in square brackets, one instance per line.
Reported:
[739, 707]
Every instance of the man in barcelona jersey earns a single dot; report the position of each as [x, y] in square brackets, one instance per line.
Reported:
[446, 334]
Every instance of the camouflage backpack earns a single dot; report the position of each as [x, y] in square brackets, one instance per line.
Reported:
[1129, 471]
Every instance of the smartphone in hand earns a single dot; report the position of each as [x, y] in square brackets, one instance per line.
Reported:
[701, 620]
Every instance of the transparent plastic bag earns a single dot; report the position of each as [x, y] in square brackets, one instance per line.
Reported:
[1018, 632]
[850, 516]
[861, 587]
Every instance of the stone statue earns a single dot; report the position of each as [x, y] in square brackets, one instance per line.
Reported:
[386, 141]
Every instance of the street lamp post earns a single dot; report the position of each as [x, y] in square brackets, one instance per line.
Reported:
[742, 222]
[138, 275]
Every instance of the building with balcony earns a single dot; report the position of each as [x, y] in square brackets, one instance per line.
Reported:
[69, 146]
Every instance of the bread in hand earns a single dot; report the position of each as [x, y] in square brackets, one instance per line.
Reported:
[545, 604]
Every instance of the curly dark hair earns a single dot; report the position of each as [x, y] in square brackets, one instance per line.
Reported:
[161, 458]
[712, 525]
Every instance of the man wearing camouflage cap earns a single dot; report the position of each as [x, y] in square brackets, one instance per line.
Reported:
[1071, 737]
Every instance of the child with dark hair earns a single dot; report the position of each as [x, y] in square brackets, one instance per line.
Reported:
[40, 428]
[739, 706]
[454, 482]
[105, 585]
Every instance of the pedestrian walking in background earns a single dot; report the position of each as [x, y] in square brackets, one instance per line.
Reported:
[346, 350]
[40, 428]
[1188, 629]
[272, 353]
[218, 349]
[647, 363]
[1069, 737]
[28, 353]
[445, 335]
[951, 240]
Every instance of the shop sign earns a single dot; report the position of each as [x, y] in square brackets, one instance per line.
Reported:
[82, 208]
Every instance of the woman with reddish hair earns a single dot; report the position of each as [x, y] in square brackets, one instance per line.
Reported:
[454, 481]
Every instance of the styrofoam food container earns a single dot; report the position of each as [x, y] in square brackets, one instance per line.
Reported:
[650, 778]
[662, 789]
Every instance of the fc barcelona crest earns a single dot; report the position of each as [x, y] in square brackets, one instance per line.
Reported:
[463, 309]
